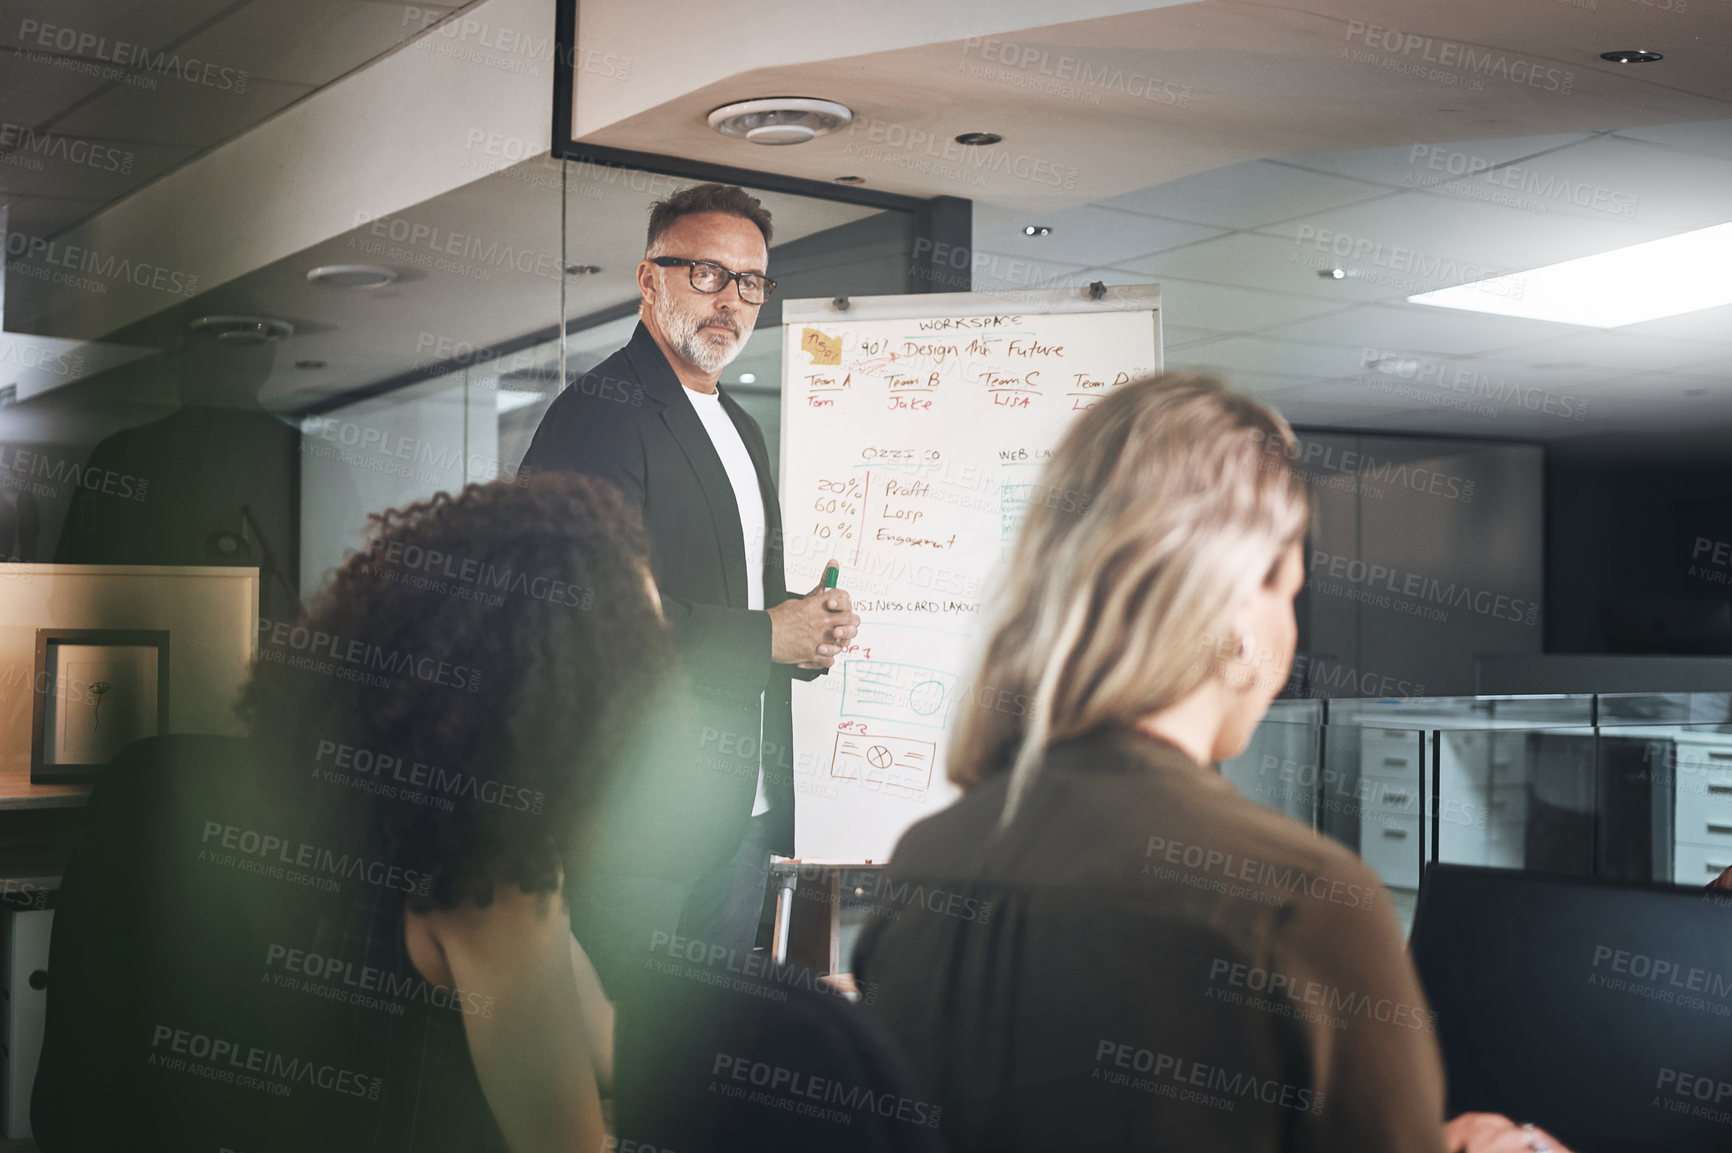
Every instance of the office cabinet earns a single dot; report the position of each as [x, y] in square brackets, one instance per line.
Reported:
[1702, 807]
[23, 1004]
[1389, 805]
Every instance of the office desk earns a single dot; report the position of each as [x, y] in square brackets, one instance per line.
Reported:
[16, 792]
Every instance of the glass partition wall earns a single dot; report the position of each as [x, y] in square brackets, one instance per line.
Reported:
[467, 354]
[1629, 787]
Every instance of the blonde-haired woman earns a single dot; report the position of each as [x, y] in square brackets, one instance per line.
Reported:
[1102, 945]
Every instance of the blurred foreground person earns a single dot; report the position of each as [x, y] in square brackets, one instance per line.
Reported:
[1103, 945]
[349, 932]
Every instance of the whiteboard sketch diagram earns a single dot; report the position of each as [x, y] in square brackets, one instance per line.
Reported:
[889, 691]
[898, 765]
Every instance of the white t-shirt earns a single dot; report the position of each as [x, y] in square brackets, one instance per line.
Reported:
[749, 499]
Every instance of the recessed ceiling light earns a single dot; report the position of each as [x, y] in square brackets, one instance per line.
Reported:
[582, 269]
[352, 275]
[979, 138]
[1682, 273]
[309, 364]
[748, 378]
[511, 399]
[242, 329]
[780, 119]
[850, 180]
[1405, 366]
[1037, 230]
[1332, 273]
[1633, 56]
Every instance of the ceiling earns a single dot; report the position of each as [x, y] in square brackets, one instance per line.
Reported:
[1229, 151]
[1218, 149]
[154, 83]
[1238, 252]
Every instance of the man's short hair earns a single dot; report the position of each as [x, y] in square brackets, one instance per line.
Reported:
[706, 198]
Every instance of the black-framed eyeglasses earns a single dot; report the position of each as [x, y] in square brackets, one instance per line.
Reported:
[708, 276]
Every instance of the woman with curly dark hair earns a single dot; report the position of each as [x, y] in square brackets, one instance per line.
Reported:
[453, 709]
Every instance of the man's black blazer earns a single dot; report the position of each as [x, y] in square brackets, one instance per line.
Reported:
[628, 422]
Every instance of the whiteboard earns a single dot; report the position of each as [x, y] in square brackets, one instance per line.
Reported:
[913, 429]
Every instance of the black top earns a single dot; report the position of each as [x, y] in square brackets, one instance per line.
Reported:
[1147, 960]
[715, 1054]
[222, 975]
[629, 422]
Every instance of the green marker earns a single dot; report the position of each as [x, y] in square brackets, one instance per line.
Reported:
[831, 572]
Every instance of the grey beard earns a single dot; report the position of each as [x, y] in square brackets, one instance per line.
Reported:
[683, 333]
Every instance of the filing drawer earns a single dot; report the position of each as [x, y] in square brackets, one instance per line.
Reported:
[1389, 755]
[1700, 754]
[1699, 864]
[1386, 796]
[1703, 785]
[1704, 824]
[1390, 845]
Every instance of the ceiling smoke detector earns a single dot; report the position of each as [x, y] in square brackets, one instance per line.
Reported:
[780, 119]
[242, 329]
[352, 275]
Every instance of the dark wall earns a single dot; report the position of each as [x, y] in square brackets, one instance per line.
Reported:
[1625, 534]
[1424, 554]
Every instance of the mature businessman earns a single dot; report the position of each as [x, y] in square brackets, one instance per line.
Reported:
[653, 420]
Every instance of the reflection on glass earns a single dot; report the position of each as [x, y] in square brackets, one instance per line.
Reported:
[1643, 797]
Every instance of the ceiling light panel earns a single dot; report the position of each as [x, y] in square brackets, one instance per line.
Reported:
[1647, 281]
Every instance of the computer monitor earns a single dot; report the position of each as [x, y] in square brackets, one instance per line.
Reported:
[1600, 1012]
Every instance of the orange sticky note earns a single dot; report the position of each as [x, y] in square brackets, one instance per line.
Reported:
[825, 349]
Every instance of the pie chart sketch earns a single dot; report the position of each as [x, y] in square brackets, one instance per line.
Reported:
[926, 698]
[898, 766]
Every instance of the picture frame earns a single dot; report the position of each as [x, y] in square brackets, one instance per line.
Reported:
[96, 691]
